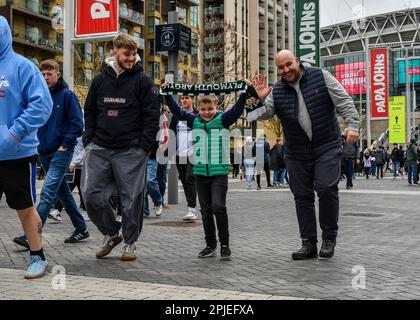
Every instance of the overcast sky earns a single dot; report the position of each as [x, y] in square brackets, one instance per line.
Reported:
[335, 11]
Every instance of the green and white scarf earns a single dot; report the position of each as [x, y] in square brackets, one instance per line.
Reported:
[185, 89]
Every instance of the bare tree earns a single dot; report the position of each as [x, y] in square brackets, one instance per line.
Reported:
[223, 59]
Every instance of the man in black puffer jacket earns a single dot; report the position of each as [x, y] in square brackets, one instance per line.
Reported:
[121, 123]
[306, 100]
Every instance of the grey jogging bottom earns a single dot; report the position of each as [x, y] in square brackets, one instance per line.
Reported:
[108, 171]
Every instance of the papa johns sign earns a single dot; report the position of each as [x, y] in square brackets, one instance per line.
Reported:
[96, 17]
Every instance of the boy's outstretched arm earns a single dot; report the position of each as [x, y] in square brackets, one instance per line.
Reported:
[178, 112]
[233, 114]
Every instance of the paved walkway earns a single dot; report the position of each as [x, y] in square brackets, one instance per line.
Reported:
[377, 255]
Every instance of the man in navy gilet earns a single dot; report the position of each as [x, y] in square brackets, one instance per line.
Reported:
[306, 100]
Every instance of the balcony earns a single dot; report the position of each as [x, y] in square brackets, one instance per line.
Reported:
[211, 11]
[270, 30]
[261, 24]
[214, 69]
[213, 40]
[270, 3]
[271, 43]
[32, 6]
[272, 69]
[262, 66]
[131, 15]
[270, 16]
[140, 43]
[214, 55]
[261, 11]
[279, 8]
[31, 37]
[213, 26]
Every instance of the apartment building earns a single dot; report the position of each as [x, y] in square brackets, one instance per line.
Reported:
[156, 64]
[35, 32]
[241, 38]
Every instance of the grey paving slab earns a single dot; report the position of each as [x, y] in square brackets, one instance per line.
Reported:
[379, 234]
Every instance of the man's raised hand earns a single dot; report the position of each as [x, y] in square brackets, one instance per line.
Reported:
[261, 87]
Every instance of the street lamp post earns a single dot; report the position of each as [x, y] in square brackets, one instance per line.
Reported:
[173, 73]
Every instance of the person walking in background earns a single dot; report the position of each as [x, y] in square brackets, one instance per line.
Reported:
[395, 157]
[25, 106]
[402, 158]
[152, 184]
[367, 163]
[162, 168]
[349, 156]
[184, 150]
[380, 159]
[248, 161]
[412, 162]
[57, 140]
[277, 163]
[261, 146]
[76, 169]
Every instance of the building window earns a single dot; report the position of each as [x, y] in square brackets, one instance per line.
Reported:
[194, 17]
[152, 22]
[150, 69]
[156, 70]
[182, 14]
[151, 45]
[154, 5]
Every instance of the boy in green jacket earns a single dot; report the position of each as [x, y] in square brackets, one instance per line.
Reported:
[211, 165]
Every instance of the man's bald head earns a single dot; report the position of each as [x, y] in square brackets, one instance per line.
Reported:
[288, 65]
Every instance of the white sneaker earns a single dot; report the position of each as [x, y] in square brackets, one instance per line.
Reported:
[55, 215]
[158, 210]
[84, 215]
[191, 215]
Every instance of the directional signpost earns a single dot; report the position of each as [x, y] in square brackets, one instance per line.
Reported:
[397, 128]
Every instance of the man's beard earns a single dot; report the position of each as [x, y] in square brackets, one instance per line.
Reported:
[121, 64]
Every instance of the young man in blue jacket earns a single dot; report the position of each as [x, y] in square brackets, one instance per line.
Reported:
[57, 139]
[25, 106]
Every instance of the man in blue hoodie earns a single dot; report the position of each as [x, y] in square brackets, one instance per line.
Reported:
[57, 139]
[25, 106]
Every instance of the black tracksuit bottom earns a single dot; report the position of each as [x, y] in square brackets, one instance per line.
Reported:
[212, 193]
[320, 174]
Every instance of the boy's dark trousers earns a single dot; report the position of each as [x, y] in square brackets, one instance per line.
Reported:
[212, 196]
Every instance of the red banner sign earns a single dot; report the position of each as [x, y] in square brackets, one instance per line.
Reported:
[352, 76]
[96, 17]
[379, 82]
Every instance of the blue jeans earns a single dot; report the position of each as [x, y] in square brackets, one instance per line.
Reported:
[55, 186]
[396, 165]
[412, 171]
[373, 168]
[152, 186]
[282, 173]
[249, 173]
[162, 178]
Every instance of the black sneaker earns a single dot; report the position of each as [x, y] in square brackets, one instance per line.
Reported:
[225, 252]
[76, 236]
[308, 251]
[327, 249]
[22, 241]
[207, 252]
